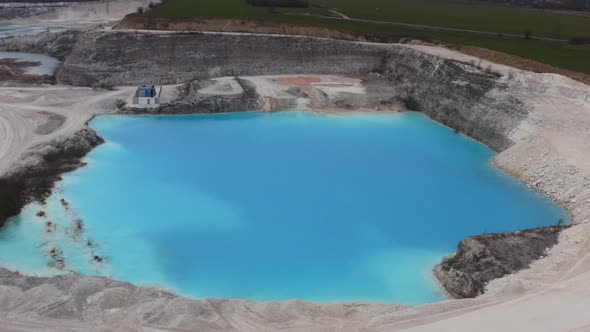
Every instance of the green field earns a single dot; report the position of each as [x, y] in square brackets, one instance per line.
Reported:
[441, 13]
[463, 15]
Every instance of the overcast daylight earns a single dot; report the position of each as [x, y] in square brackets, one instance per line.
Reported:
[294, 165]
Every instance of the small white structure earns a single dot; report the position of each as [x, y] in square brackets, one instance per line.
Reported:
[147, 95]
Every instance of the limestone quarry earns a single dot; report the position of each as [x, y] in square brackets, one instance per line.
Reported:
[538, 123]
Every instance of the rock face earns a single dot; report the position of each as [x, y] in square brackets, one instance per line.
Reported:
[57, 44]
[34, 181]
[190, 102]
[474, 103]
[480, 259]
[134, 58]
[455, 94]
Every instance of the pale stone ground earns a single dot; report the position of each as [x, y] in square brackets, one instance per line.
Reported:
[552, 156]
[23, 110]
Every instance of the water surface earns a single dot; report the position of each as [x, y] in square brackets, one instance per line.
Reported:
[47, 64]
[276, 206]
[17, 30]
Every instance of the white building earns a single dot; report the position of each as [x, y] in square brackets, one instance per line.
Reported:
[147, 95]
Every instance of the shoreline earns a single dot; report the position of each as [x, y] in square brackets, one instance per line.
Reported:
[35, 184]
[89, 135]
[89, 139]
[542, 159]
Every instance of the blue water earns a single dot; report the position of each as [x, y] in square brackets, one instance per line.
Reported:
[16, 31]
[47, 64]
[275, 206]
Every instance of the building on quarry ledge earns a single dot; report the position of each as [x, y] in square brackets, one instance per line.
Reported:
[147, 95]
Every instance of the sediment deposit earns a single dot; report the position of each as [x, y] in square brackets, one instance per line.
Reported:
[181, 57]
[536, 122]
[482, 258]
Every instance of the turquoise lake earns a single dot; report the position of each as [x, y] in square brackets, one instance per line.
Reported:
[275, 206]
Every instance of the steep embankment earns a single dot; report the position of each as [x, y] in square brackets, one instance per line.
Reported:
[57, 45]
[455, 94]
[116, 58]
[35, 182]
[482, 258]
[468, 100]
[516, 115]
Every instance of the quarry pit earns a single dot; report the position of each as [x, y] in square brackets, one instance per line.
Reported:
[534, 121]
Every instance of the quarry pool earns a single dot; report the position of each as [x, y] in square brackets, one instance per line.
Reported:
[47, 65]
[273, 206]
[7, 31]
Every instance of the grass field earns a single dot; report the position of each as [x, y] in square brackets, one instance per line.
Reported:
[462, 15]
[441, 13]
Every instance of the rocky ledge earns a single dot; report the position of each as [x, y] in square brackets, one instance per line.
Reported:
[54, 44]
[44, 166]
[476, 103]
[190, 101]
[480, 259]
